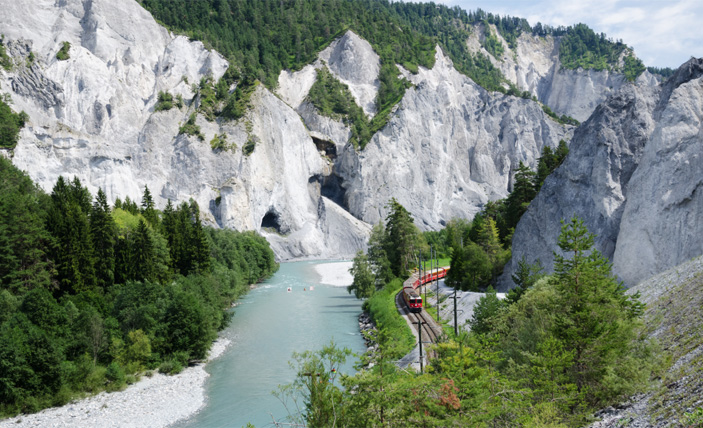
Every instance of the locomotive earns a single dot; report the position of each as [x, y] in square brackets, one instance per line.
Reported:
[412, 298]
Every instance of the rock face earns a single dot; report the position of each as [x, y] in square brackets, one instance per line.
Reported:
[92, 116]
[448, 149]
[534, 66]
[662, 221]
[353, 62]
[633, 175]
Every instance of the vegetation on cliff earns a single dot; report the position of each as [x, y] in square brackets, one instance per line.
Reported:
[581, 47]
[92, 296]
[10, 124]
[262, 38]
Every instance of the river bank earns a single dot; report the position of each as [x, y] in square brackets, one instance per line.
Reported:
[155, 401]
[335, 273]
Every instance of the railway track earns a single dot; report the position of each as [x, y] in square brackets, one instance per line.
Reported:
[431, 331]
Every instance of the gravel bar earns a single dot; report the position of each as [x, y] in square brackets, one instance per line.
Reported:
[156, 401]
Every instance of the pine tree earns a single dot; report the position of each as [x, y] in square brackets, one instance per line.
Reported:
[545, 166]
[148, 210]
[597, 320]
[198, 242]
[103, 233]
[524, 277]
[142, 254]
[130, 206]
[170, 231]
[402, 237]
[124, 270]
[24, 241]
[183, 256]
[560, 154]
[68, 224]
[522, 194]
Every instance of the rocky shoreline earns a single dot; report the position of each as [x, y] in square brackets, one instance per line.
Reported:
[156, 401]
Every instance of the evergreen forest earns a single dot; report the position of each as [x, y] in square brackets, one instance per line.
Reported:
[94, 296]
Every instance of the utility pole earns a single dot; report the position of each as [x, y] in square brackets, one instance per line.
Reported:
[431, 269]
[437, 280]
[419, 333]
[456, 331]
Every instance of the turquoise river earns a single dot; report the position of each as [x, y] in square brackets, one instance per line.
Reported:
[270, 323]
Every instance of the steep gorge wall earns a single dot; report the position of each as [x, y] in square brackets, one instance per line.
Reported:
[534, 66]
[449, 148]
[92, 116]
[633, 174]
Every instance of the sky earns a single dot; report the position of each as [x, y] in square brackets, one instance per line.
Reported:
[663, 33]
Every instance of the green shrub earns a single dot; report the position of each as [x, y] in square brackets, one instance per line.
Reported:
[95, 379]
[63, 53]
[170, 367]
[238, 101]
[115, 375]
[5, 61]
[165, 102]
[249, 146]
[694, 419]
[10, 124]
[563, 119]
[190, 128]
[219, 142]
[492, 44]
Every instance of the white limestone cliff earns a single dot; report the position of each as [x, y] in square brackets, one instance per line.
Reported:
[92, 117]
[448, 149]
[534, 66]
[633, 175]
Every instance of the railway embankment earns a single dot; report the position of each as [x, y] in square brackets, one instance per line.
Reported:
[424, 329]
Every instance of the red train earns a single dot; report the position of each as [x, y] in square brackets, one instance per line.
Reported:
[432, 275]
[412, 298]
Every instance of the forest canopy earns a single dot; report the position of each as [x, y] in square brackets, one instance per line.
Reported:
[92, 296]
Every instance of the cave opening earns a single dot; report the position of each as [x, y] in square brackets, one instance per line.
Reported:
[271, 221]
[327, 147]
[331, 188]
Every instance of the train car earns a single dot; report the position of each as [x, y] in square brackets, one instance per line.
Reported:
[430, 276]
[412, 299]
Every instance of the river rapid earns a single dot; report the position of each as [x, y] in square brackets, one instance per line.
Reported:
[269, 324]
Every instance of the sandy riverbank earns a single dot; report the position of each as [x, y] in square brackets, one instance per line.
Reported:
[335, 273]
[156, 401]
